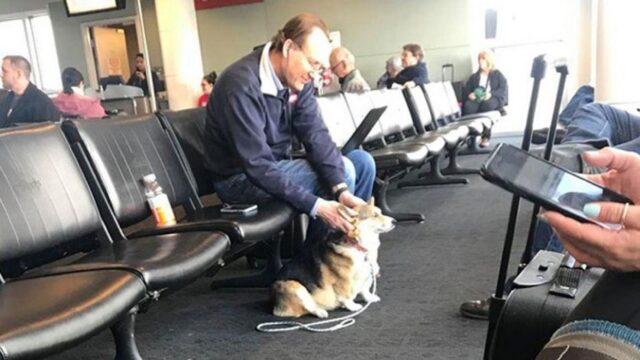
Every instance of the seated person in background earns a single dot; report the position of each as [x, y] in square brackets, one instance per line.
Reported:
[72, 101]
[248, 144]
[486, 90]
[415, 70]
[139, 76]
[207, 87]
[343, 64]
[25, 103]
[393, 67]
[606, 323]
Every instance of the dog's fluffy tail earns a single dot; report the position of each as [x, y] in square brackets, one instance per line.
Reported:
[292, 299]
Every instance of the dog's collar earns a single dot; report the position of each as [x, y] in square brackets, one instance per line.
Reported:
[360, 248]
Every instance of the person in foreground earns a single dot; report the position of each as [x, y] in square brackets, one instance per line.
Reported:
[72, 101]
[252, 118]
[606, 324]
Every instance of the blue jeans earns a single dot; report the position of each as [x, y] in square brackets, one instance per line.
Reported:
[599, 121]
[593, 122]
[359, 168]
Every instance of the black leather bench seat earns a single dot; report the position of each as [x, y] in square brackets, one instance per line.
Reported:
[41, 316]
[161, 260]
[400, 155]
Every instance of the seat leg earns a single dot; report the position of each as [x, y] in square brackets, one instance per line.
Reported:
[454, 168]
[381, 187]
[263, 279]
[124, 336]
[473, 148]
[433, 176]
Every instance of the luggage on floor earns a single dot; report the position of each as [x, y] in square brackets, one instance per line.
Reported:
[536, 308]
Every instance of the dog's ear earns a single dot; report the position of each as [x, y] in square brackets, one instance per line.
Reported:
[347, 213]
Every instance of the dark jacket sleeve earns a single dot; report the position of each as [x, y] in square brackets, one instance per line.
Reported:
[245, 123]
[417, 73]
[48, 111]
[499, 87]
[471, 85]
[320, 148]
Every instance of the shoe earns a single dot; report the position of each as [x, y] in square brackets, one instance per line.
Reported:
[475, 309]
[484, 143]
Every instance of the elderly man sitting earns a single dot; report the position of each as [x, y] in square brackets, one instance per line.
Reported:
[343, 64]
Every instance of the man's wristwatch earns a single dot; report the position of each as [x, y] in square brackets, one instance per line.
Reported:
[338, 190]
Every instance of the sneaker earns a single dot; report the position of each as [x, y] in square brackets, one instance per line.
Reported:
[475, 309]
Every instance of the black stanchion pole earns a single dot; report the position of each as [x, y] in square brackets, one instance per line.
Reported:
[551, 137]
[497, 299]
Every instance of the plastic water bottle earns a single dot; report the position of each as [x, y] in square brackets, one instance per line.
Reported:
[158, 201]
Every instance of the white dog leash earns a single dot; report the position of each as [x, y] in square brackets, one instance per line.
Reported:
[343, 322]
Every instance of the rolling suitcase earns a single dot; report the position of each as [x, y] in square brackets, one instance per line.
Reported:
[548, 287]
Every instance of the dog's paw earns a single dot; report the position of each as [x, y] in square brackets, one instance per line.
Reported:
[321, 313]
[352, 306]
[371, 298]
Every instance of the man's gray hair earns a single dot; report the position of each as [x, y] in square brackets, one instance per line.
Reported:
[19, 62]
[396, 62]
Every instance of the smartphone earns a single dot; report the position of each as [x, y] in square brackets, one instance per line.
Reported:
[242, 209]
[546, 184]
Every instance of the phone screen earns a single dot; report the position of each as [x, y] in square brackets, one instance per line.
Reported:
[540, 179]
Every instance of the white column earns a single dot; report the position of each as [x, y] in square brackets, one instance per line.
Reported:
[181, 55]
[617, 52]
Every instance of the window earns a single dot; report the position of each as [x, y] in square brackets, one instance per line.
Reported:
[32, 37]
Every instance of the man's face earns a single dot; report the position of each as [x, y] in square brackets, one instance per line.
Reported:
[10, 75]
[408, 59]
[140, 64]
[340, 68]
[303, 63]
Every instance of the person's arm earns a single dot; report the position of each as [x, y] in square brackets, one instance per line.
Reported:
[245, 122]
[320, 148]
[500, 90]
[157, 84]
[469, 87]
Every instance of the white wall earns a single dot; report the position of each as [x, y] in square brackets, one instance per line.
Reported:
[373, 30]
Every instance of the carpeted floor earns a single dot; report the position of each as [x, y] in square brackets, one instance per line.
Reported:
[427, 271]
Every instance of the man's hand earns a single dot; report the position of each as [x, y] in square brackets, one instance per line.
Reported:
[350, 200]
[409, 84]
[140, 75]
[329, 212]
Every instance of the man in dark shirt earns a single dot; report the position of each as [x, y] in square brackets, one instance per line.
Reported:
[139, 77]
[261, 102]
[24, 103]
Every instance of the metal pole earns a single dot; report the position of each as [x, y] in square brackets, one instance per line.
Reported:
[497, 299]
[551, 137]
[147, 63]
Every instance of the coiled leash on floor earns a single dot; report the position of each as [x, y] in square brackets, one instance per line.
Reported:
[343, 321]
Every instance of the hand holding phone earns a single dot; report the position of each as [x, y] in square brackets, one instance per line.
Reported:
[546, 184]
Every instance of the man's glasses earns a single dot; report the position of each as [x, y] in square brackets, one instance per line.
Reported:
[313, 63]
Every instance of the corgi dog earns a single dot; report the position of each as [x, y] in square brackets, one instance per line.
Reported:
[332, 273]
